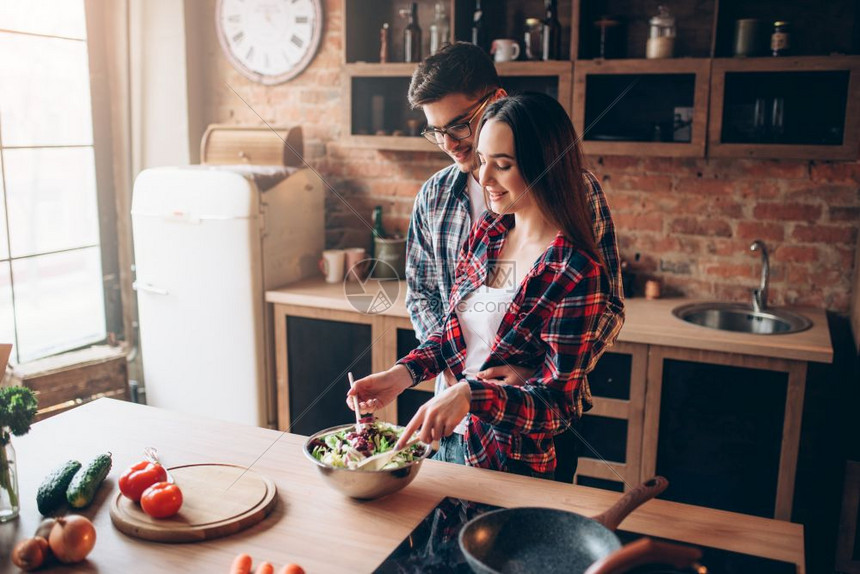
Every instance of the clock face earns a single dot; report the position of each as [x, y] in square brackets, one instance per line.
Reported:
[269, 41]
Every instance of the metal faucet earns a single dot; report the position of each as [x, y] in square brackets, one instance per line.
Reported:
[759, 296]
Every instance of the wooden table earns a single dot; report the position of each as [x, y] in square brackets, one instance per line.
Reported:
[312, 524]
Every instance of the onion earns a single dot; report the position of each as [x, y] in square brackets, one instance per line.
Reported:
[29, 554]
[72, 538]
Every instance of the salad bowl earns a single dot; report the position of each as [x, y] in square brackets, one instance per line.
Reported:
[360, 483]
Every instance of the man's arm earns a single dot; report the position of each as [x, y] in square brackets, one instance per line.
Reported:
[569, 336]
[610, 323]
[423, 300]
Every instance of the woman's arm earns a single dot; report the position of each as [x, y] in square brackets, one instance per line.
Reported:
[569, 335]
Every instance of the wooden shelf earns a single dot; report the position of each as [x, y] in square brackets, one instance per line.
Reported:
[816, 28]
[396, 143]
[782, 68]
[535, 68]
[694, 21]
[699, 68]
[370, 70]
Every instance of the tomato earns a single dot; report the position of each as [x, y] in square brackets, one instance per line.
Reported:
[161, 500]
[139, 477]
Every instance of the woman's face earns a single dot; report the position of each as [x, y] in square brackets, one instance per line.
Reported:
[499, 172]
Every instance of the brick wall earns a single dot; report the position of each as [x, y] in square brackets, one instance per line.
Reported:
[691, 220]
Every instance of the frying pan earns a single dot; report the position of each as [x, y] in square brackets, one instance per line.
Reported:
[547, 540]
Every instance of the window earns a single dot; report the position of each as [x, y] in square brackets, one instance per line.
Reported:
[51, 279]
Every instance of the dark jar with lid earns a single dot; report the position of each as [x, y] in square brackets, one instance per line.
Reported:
[780, 39]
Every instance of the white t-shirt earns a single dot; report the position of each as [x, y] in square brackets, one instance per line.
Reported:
[480, 313]
[477, 205]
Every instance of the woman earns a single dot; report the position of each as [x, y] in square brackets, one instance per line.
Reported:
[529, 289]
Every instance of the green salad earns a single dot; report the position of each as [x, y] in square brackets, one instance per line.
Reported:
[347, 448]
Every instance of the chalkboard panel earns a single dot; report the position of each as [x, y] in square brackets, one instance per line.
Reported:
[720, 435]
[320, 353]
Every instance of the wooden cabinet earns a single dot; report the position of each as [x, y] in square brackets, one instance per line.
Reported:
[377, 114]
[701, 103]
[314, 351]
[723, 425]
[619, 104]
[804, 108]
[724, 428]
[609, 456]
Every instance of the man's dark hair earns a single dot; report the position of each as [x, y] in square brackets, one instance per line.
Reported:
[458, 68]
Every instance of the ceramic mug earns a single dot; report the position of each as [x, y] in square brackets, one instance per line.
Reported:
[356, 263]
[331, 265]
[505, 50]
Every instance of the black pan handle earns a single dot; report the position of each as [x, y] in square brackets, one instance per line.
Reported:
[647, 551]
[632, 500]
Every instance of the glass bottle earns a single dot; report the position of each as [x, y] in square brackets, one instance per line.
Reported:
[383, 43]
[412, 37]
[440, 31]
[9, 499]
[550, 33]
[532, 38]
[780, 39]
[478, 32]
[378, 229]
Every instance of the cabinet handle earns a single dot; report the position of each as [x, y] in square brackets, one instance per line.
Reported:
[148, 288]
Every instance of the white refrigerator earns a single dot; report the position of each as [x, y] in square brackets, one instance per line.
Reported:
[208, 243]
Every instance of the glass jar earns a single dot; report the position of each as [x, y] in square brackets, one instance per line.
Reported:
[9, 501]
[780, 39]
[661, 35]
[532, 38]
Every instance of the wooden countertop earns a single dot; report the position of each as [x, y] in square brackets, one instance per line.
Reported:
[312, 524]
[648, 322]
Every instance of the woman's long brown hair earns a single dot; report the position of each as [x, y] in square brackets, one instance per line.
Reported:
[550, 161]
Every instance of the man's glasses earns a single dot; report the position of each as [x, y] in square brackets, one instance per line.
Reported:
[456, 132]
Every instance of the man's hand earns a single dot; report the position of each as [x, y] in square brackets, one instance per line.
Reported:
[507, 375]
[450, 379]
[379, 389]
[439, 416]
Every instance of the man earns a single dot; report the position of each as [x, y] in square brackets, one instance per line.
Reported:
[453, 87]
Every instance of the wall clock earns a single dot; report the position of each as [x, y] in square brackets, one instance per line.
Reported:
[269, 41]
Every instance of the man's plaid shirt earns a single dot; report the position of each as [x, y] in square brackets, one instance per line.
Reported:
[552, 325]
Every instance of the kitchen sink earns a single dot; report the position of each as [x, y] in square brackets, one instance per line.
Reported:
[741, 318]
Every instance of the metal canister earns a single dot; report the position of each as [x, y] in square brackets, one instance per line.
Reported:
[747, 37]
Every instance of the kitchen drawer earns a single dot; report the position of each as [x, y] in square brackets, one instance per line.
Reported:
[611, 376]
[604, 438]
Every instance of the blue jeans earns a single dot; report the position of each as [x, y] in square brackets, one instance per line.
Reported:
[451, 449]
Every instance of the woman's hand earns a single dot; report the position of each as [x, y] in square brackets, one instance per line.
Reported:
[439, 416]
[506, 375]
[379, 389]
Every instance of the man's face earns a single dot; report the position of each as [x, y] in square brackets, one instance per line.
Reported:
[456, 109]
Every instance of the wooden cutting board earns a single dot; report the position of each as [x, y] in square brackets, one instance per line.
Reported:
[217, 500]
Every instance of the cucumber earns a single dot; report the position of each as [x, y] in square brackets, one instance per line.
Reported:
[52, 492]
[87, 480]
